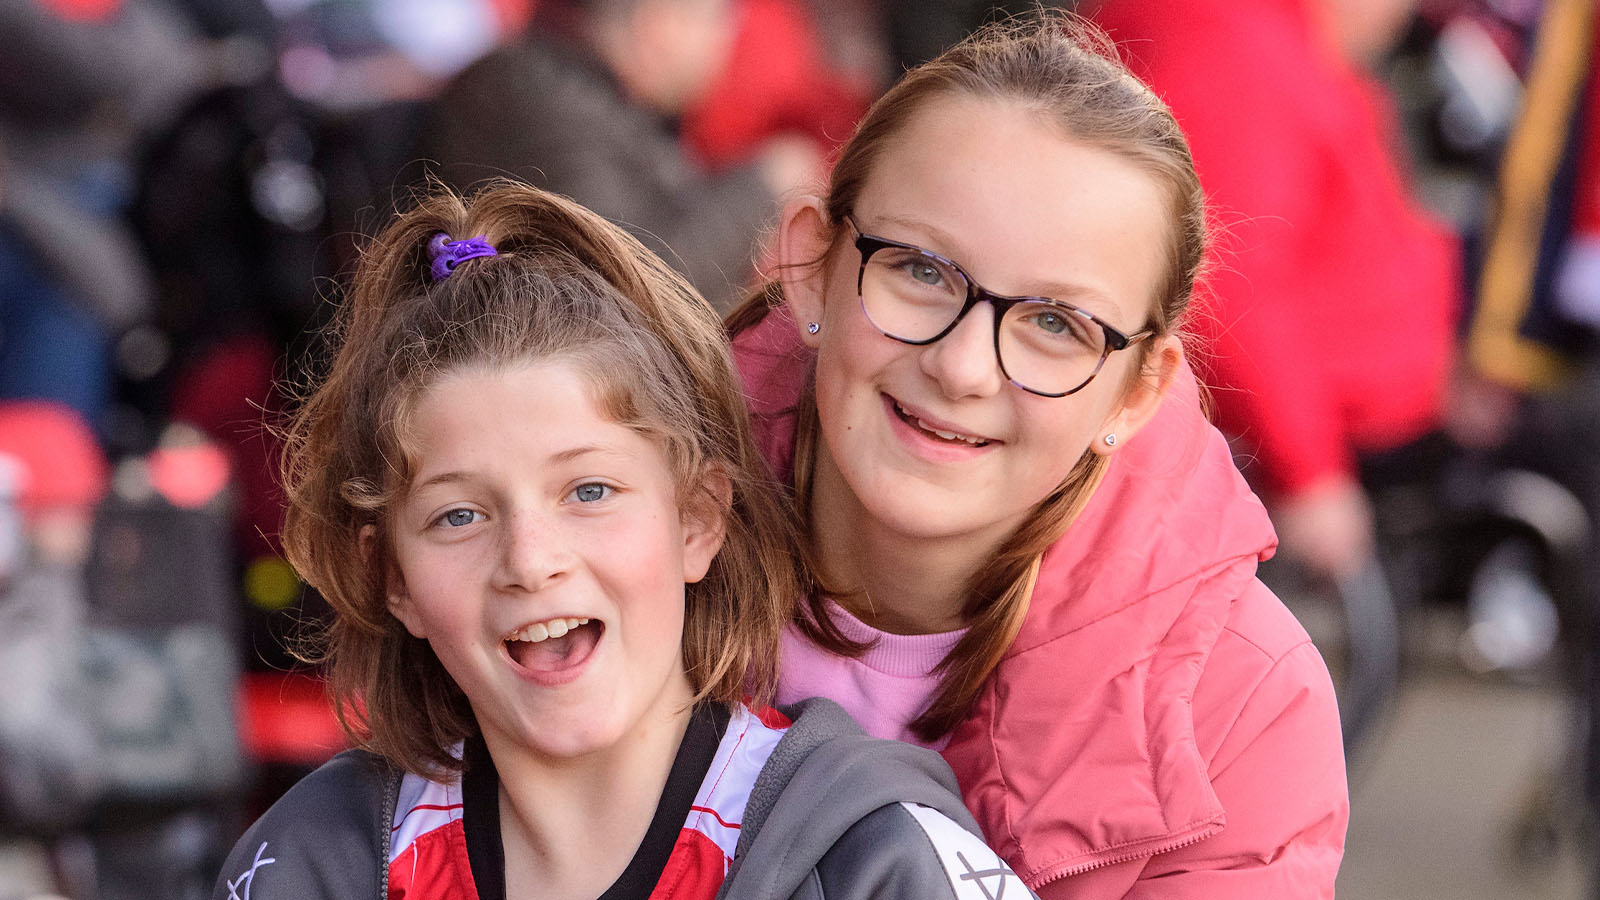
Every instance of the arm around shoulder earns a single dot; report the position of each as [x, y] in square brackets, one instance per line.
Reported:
[1276, 761]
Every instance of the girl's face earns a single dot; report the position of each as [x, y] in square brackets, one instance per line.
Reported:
[542, 553]
[1024, 210]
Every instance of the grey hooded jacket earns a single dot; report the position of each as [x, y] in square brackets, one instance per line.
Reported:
[833, 814]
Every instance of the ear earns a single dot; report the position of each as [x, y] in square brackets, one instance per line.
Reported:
[397, 597]
[705, 522]
[803, 242]
[1143, 397]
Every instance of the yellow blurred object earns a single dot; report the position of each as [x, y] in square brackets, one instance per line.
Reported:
[1554, 86]
[271, 583]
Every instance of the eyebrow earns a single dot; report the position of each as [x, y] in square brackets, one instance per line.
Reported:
[564, 456]
[1050, 290]
[931, 230]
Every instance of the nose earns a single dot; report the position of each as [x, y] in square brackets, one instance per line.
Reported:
[534, 553]
[963, 362]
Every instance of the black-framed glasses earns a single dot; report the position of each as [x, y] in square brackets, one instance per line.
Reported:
[1044, 346]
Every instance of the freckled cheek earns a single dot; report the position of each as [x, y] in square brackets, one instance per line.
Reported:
[640, 560]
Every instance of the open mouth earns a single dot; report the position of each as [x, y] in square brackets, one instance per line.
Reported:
[938, 434]
[554, 644]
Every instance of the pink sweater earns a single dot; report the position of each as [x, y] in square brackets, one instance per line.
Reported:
[884, 689]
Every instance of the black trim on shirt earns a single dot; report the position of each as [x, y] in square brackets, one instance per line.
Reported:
[480, 820]
[480, 798]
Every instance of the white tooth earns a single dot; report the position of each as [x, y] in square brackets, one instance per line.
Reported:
[536, 633]
[584, 620]
[557, 627]
[947, 435]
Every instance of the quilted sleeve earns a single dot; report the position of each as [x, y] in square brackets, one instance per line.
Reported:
[1279, 773]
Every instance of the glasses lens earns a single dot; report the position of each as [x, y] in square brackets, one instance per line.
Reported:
[909, 294]
[1050, 348]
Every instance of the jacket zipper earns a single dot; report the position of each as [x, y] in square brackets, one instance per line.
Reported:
[1128, 857]
[391, 799]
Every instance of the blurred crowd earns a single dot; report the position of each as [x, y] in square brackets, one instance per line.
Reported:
[1398, 326]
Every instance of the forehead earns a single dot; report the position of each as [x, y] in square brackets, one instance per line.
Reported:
[1025, 207]
[472, 406]
[476, 412]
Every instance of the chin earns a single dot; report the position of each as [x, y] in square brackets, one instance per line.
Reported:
[569, 740]
[932, 514]
[928, 515]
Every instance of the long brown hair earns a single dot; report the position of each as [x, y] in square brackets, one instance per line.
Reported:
[1065, 69]
[565, 284]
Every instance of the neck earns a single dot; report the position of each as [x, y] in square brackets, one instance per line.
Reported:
[570, 827]
[895, 582]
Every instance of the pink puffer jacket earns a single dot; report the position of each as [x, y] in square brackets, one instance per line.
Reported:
[1162, 726]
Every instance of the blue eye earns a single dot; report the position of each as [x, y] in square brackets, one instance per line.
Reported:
[1041, 321]
[589, 493]
[1051, 322]
[925, 273]
[457, 518]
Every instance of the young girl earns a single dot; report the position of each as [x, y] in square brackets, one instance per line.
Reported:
[1042, 559]
[528, 488]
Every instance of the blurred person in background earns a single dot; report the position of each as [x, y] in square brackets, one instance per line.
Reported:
[588, 106]
[83, 82]
[1336, 295]
[779, 79]
[1533, 333]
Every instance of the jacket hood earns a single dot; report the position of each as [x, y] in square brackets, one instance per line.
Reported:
[1172, 508]
[830, 775]
[1098, 687]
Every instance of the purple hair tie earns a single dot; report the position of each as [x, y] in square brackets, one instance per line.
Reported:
[447, 254]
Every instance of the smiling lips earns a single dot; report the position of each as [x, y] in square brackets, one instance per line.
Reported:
[554, 650]
[934, 429]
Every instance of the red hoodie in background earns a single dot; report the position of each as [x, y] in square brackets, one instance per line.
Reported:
[1333, 301]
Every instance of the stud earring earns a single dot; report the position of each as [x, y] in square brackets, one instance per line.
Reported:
[1111, 440]
[813, 327]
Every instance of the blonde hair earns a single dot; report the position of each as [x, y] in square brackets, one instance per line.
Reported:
[1066, 70]
[565, 284]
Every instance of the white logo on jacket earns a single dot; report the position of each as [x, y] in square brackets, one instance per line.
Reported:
[975, 871]
[249, 877]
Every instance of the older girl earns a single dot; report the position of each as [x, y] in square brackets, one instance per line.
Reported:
[1041, 557]
[528, 489]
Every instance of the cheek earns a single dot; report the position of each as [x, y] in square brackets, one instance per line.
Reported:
[1060, 430]
[648, 563]
[841, 303]
[854, 357]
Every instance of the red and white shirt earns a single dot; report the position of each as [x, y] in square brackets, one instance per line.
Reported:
[429, 858]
